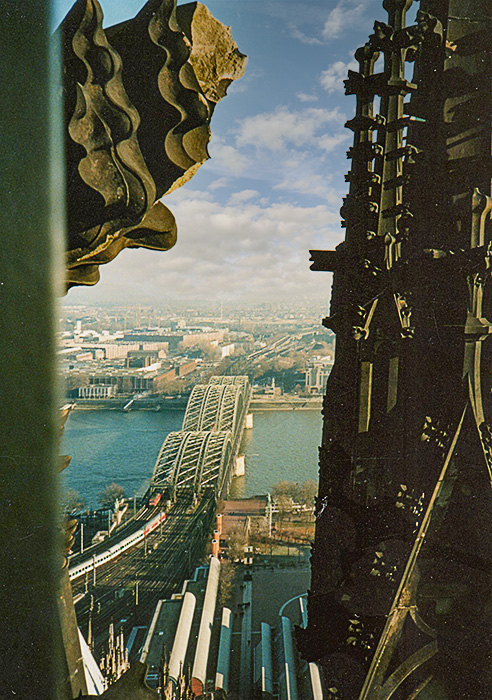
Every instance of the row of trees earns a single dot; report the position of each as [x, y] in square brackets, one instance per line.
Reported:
[72, 502]
[288, 495]
[290, 492]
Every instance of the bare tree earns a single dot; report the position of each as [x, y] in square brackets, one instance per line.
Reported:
[287, 493]
[283, 489]
[110, 494]
[307, 492]
[237, 538]
[72, 502]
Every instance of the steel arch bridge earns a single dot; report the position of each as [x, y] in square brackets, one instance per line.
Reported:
[218, 405]
[237, 380]
[192, 462]
[199, 457]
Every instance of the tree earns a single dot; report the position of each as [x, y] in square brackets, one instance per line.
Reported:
[75, 379]
[110, 494]
[258, 529]
[237, 538]
[307, 492]
[298, 493]
[283, 489]
[286, 493]
[72, 502]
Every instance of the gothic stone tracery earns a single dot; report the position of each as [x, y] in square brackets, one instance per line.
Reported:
[400, 602]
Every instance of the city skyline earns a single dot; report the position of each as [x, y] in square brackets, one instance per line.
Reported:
[274, 185]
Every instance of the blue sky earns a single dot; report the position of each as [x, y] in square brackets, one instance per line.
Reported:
[273, 186]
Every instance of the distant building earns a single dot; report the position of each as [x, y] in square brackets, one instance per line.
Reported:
[79, 353]
[141, 358]
[150, 377]
[116, 350]
[317, 372]
[84, 356]
[185, 339]
[97, 391]
[149, 336]
[198, 337]
[226, 350]
[186, 368]
[112, 351]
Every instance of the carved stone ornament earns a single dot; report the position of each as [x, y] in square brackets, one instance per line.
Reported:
[400, 604]
[138, 98]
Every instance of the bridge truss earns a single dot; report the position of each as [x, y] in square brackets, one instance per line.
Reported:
[198, 458]
[215, 406]
[193, 461]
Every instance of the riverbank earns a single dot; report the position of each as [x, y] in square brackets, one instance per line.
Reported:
[151, 403]
[259, 402]
[286, 403]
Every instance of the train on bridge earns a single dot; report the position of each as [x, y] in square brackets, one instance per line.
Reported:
[194, 462]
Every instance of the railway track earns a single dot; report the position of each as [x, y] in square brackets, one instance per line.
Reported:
[127, 589]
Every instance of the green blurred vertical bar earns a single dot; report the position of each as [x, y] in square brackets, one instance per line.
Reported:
[31, 226]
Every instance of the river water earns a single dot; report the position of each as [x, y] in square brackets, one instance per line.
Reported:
[113, 446]
[283, 445]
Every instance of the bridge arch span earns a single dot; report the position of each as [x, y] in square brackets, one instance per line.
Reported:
[200, 456]
[218, 405]
[191, 461]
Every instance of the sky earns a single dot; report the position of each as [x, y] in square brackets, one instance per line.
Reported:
[273, 187]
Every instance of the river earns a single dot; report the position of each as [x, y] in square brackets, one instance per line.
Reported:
[283, 445]
[113, 446]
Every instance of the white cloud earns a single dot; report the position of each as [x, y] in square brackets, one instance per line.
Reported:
[296, 33]
[275, 130]
[227, 157]
[217, 184]
[332, 78]
[295, 159]
[312, 184]
[243, 250]
[243, 196]
[304, 97]
[342, 17]
[329, 142]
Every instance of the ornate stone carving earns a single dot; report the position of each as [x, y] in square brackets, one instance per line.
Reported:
[139, 97]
